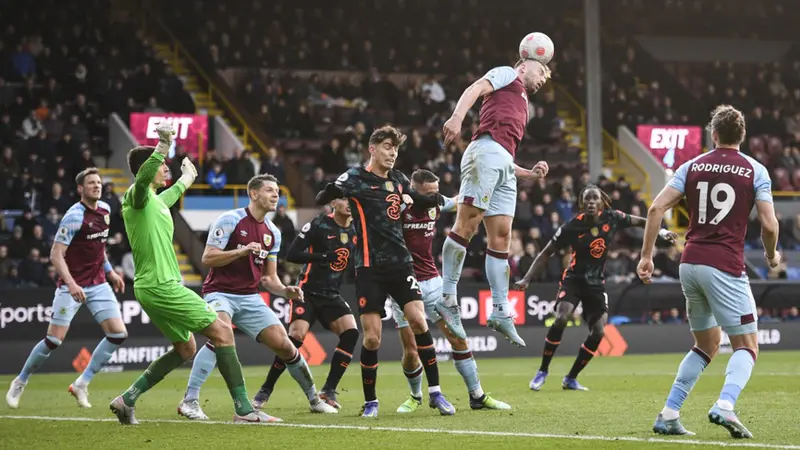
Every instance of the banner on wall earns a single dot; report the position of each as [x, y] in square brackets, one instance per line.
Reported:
[673, 145]
[190, 129]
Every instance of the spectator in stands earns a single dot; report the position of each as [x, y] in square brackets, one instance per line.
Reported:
[23, 191]
[152, 106]
[447, 186]
[216, 178]
[86, 161]
[39, 241]
[49, 223]
[565, 205]
[31, 269]
[5, 262]
[318, 180]
[12, 280]
[242, 168]
[285, 224]
[58, 200]
[27, 222]
[791, 316]
[523, 213]
[655, 318]
[8, 167]
[766, 316]
[31, 126]
[674, 317]
[274, 166]
[51, 278]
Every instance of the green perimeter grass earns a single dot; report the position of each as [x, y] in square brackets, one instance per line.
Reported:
[626, 395]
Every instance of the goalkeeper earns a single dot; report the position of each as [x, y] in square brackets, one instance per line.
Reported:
[176, 310]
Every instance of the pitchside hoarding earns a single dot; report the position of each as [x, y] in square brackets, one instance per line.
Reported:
[673, 145]
[190, 129]
[24, 315]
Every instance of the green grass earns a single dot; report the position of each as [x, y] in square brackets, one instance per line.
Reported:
[626, 395]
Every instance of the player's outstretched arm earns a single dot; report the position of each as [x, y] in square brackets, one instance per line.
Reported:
[641, 222]
[331, 192]
[297, 253]
[188, 175]
[538, 263]
[452, 128]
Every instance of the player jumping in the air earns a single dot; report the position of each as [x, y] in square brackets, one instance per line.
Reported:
[383, 263]
[721, 187]
[323, 246]
[79, 256]
[242, 250]
[588, 234]
[419, 229]
[488, 190]
[176, 310]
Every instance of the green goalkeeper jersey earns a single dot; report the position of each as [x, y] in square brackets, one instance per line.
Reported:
[148, 223]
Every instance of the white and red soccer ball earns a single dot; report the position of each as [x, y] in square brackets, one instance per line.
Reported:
[536, 46]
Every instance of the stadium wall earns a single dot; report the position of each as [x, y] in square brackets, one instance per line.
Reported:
[24, 315]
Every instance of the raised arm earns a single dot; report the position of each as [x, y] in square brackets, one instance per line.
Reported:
[147, 172]
[495, 79]
[188, 175]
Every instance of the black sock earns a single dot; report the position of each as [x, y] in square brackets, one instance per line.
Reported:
[341, 358]
[369, 373]
[275, 372]
[427, 353]
[550, 345]
[585, 354]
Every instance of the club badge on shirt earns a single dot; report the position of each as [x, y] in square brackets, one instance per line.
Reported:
[343, 238]
[267, 240]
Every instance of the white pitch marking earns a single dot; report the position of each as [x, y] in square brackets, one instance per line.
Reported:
[676, 441]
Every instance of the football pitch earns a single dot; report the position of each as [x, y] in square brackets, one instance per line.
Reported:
[626, 395]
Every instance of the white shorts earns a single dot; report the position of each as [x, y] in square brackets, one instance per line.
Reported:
[488, 181]
[100, 300]
[431, 293]
[717, 298]
[248, 312]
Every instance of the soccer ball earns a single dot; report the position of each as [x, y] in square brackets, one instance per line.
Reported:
[536, 46]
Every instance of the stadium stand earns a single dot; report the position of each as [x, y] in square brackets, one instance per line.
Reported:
[63, 69]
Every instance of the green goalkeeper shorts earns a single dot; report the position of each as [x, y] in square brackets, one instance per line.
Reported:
[176, 310]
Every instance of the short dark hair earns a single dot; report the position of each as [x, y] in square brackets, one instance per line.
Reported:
[137, 156]
[257, 181]
[79, 179]
[387, 132]
[729, 124]
[421, 176]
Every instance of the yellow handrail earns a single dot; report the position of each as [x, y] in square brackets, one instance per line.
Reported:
[213, 92]
[581, 111]
[786, 193]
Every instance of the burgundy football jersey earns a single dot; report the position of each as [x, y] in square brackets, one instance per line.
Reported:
[236, 229]
[85, 231]
[504, 112]
[419, 229]
[721, 188]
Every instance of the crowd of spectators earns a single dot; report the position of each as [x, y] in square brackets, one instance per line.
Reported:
[64, 67]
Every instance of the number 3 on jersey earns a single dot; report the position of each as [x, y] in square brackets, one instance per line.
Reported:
[724, 204]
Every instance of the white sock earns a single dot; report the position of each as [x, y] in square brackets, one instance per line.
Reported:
[434, 389]
[725, 404]
[669, 414]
